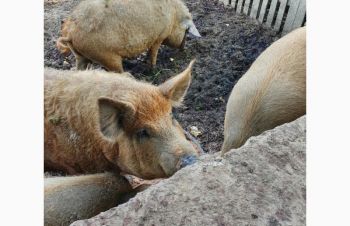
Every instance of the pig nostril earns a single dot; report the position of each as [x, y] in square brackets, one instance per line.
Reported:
[187, 160]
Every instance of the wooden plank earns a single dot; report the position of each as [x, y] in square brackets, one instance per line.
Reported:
[239, 6]
[262, 10]
[304, 21]
[226, 2]
[280, 14]
[271, 12]
[299, 18]
[293, 9]
[246, 6]
[255, 8]
[233, 3]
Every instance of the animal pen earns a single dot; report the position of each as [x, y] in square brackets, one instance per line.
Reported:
[227, 36]
[234, 34]
[281, 15]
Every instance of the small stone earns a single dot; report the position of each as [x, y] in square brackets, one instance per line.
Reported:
[55, 120]
[218, 159]
[195, 131]
[244, 164]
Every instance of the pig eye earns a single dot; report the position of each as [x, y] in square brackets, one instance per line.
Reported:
[142, 134]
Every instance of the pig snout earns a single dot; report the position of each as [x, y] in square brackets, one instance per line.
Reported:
[186, 160]
[173, 161]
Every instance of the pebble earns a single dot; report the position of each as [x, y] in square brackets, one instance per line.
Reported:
[195, 131]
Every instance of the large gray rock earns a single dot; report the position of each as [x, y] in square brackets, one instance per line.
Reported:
[261, 183]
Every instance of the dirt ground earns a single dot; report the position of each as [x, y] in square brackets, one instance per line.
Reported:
[229, 45]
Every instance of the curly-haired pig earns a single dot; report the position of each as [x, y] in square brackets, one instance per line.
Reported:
[272, 92]
[95, 121]
[71, 198]
[106, 31]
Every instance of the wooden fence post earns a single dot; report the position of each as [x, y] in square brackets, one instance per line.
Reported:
[246, 6]
[294, 18]
[262, 10]
[280, 14]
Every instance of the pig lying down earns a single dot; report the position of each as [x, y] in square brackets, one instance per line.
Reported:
[105, 31]
[99, 121]
[72, 198]
[270, 93]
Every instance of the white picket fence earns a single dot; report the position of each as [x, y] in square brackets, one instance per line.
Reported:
[281, 15]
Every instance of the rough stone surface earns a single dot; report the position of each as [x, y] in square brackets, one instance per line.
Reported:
[261, 183]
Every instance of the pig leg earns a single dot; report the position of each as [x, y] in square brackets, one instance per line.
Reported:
[82, 62]
[112, 63]
[154, 53]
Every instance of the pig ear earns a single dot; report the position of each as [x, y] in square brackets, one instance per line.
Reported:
[175, 88]
[189, 25]
[112, 113]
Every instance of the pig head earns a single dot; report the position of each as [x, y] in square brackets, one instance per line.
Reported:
[123, 121]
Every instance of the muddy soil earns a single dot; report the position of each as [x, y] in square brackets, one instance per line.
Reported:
[229, 45]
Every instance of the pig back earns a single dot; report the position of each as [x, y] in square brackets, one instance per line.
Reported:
[72, 198]
[270, 93]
